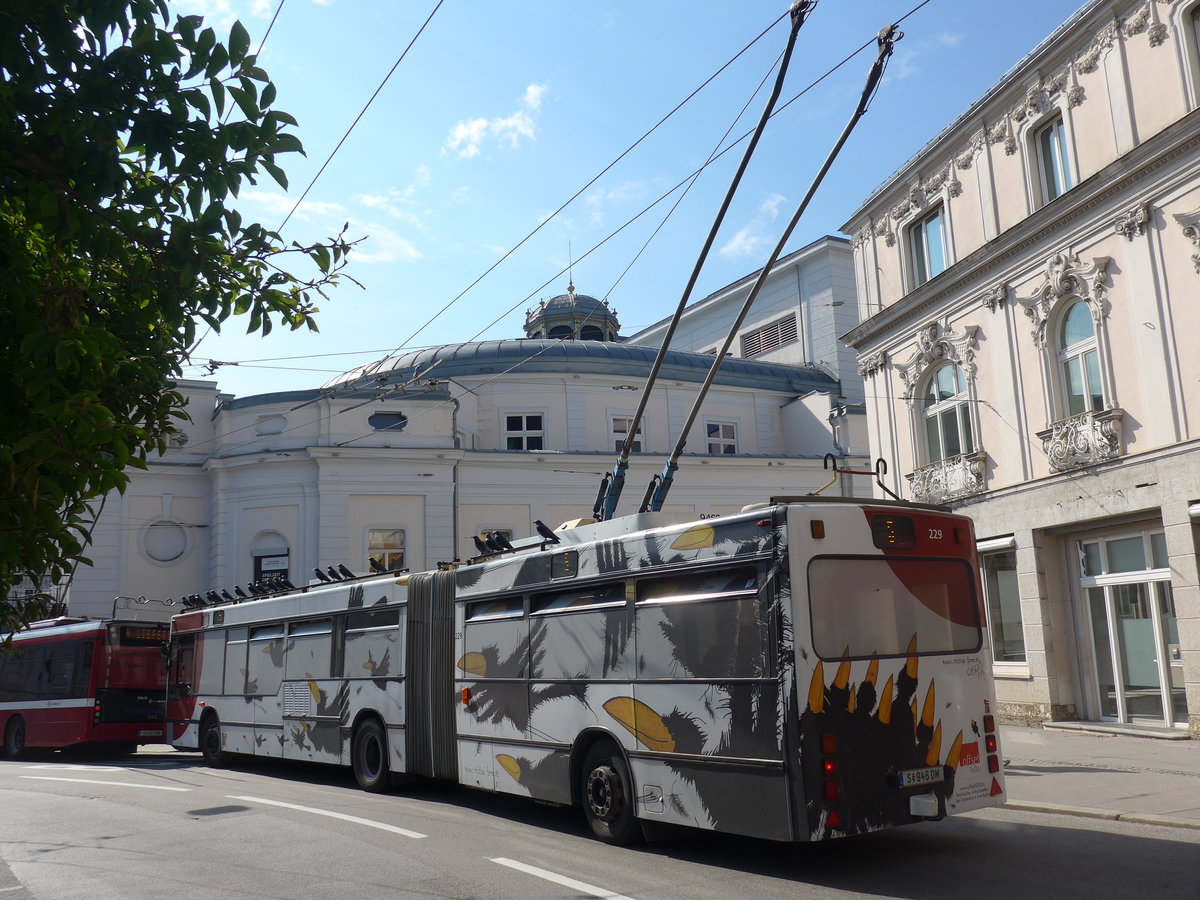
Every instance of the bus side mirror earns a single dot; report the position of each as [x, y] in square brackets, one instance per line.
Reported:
[165, 649]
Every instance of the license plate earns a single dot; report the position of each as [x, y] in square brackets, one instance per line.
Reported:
[928, 775]
[149, 732]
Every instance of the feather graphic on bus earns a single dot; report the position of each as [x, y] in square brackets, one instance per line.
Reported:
[862, 745]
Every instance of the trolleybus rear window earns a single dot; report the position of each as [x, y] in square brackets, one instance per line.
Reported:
[874, 607]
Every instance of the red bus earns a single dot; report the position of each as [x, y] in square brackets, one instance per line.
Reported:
[72, 682]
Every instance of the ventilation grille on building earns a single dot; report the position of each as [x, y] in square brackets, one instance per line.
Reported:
[769, 337]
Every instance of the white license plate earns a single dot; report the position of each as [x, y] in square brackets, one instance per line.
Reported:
[149, 732]
[928, 775]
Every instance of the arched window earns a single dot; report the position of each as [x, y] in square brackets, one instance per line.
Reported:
[947, 414]
[1079, 362]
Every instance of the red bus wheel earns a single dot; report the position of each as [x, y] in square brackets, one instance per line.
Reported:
[14, 738]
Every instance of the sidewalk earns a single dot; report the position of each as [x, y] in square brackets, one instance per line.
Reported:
[1064, 770]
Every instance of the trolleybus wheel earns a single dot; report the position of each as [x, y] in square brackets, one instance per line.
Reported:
[210, 741]
[14, 738]
[369, 757]
[607, 792]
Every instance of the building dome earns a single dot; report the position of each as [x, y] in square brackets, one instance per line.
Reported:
[572, 316]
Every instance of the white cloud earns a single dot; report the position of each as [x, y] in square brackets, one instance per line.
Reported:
[750, 238]
[950, 40]
[382, 245]
[282, 204]
[467, 136]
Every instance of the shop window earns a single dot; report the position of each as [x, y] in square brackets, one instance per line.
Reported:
[1003, 600]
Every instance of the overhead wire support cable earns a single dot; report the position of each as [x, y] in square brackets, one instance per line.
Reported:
[660, 485]
[613, 484]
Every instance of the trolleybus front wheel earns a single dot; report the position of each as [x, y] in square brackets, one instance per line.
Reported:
[210, 741]
[607, 792]
[369, 757]
[14, 738]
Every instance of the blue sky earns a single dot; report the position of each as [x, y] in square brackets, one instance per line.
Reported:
[500, 112]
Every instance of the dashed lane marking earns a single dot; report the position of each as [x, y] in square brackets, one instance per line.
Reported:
[132, 784]
[382, 826]
[581, 886]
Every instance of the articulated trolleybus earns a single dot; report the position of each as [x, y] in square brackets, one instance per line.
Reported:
[806, 669]
[77, 682]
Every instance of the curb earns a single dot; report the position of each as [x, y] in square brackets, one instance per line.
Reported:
[1112, 815]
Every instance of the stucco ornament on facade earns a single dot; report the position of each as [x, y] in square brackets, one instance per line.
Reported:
[954, 478]
[1083, 439]
[1067, 276]
[1132, 223]
[872, 363]
[1190, 222]
[1146, 19]
[995, 296]
[1090, 59]
[936, 344]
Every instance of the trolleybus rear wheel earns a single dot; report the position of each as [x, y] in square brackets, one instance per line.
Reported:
[607, 791]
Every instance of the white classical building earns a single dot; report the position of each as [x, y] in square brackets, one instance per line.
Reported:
[1027, 287]
[408, 459]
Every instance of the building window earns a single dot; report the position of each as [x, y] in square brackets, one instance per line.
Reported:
[1079, 362]
[769, 337]
[722, 438]
[523, 431]
[1054, 173]
[947, 414]
[927, 246]
[620, 431]
[386, 546]
[388, 421]
[1003, 605]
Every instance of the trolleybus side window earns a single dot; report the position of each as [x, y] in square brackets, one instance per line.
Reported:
[371, 645]
[496, 638]
[264, 663]
[183, 666]
[874, 607]
[235, 661]
[309, 649]
[14, 676]
[707, 624]
[576, 633]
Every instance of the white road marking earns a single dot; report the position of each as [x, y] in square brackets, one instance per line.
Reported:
[581, 886]
[152, 787]
[59, 767]
[382, 826]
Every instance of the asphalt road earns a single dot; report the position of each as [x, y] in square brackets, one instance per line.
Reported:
[161, 824]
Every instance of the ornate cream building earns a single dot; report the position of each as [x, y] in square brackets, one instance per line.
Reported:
[1028, 286]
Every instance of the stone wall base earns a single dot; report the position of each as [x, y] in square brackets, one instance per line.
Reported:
[1034, 713]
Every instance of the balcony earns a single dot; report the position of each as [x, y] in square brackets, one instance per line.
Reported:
[1083, 439]
[954, 478]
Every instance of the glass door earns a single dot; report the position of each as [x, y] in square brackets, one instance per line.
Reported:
[1135, 636]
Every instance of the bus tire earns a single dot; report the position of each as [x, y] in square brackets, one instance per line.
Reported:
[606, 788]
[210, 741]
[369, 757]
[14, 738]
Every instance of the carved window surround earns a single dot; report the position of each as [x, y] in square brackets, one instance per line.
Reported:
[954, 478]
[937, 344]
[1083, 439]
[1068, 276]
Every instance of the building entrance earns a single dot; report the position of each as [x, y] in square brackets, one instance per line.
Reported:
[1134, 633]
